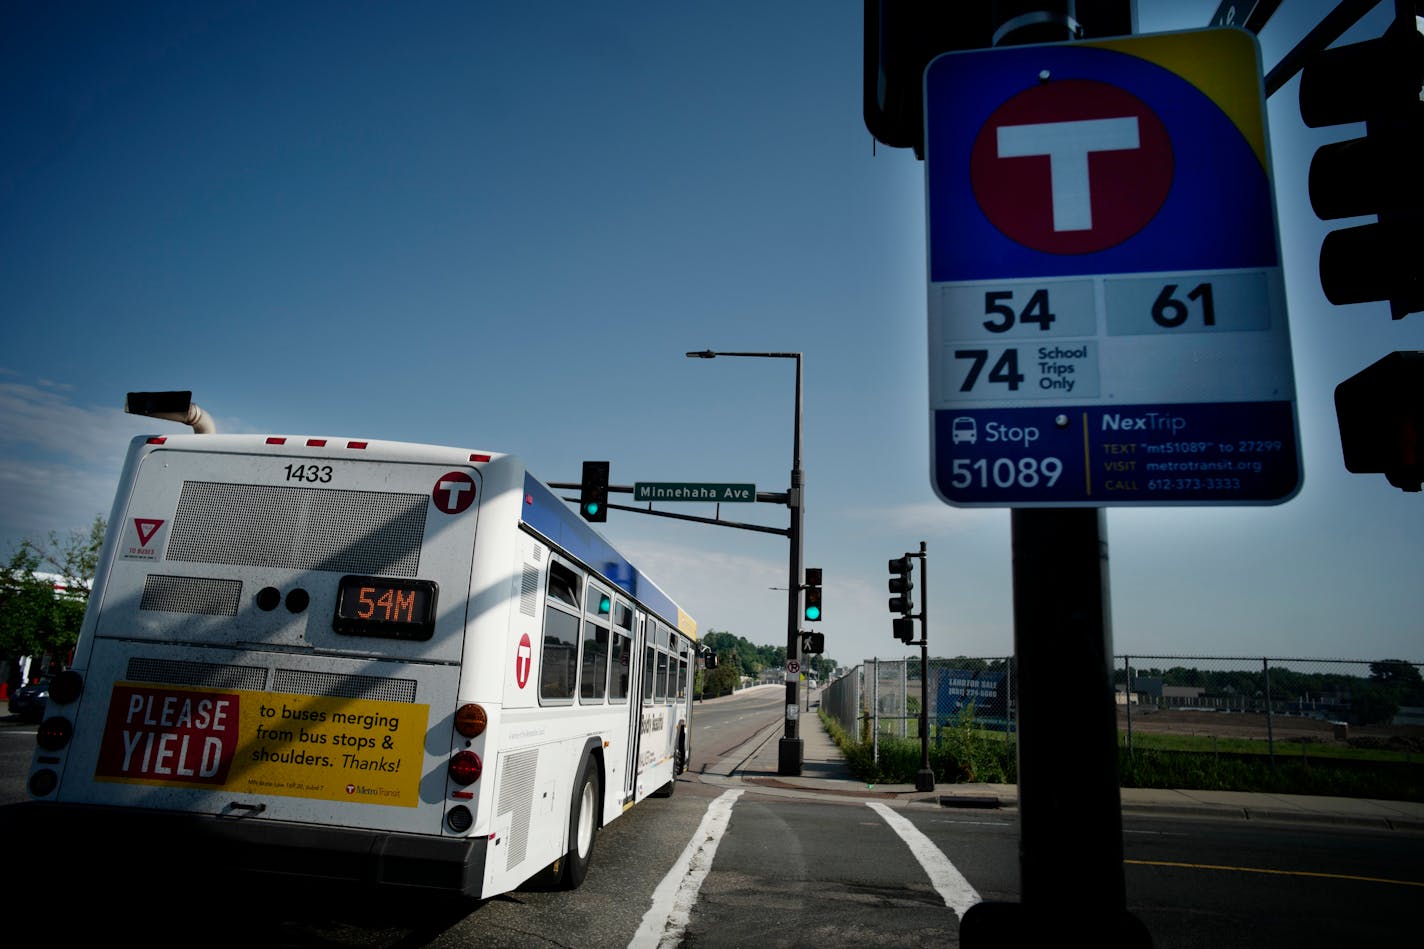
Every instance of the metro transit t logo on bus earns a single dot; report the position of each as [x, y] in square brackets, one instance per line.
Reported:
[454, 492]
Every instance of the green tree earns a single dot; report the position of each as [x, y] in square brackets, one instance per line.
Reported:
[75, 558]
[26, 606]
[722, 680]
[1397, 672]
[34, 619]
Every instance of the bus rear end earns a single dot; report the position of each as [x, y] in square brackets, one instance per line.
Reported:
[269, 671]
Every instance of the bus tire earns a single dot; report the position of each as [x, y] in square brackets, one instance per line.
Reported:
[583, 825]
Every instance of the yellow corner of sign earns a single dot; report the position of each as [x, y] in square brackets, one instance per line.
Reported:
[1224, 63]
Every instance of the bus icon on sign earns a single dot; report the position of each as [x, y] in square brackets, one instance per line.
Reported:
[963, 429]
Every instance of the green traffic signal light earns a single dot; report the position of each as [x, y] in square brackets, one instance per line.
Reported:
[813, 604]
[812, 609]
[593, 491]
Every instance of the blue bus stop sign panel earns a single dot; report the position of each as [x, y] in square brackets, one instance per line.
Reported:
[1106, 306]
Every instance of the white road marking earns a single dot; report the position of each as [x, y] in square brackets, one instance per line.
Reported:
[956, 892]
[666, 919]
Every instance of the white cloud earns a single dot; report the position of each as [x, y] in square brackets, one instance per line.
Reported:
[59, 462]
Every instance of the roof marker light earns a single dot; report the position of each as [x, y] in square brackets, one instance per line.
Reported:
[276, 440]
[316, 442]
[479, 457]
[355, 444]
[157, 439]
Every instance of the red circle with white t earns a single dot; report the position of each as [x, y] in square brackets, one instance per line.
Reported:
[1071, 166]
[523, 661]
[454, 492]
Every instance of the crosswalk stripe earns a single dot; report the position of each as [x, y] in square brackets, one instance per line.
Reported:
[958, 895]
[666, 919]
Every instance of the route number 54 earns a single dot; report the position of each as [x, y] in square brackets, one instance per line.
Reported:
[997, 303]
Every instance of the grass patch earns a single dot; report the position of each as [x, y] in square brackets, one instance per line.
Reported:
[960, 753]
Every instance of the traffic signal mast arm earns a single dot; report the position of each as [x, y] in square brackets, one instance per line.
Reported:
[762, 497]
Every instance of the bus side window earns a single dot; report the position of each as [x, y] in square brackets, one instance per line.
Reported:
[595, 646]
[662, 668]
[563, 584]
[559, 664]
[619, 658]
[682, 669]
[621, 652]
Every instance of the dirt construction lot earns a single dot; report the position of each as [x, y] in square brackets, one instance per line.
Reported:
[1282, 728]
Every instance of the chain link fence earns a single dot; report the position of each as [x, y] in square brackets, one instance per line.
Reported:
[1280, 702]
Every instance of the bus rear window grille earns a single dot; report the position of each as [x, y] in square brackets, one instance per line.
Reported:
[206, 674]
[263, 525]
[334, 685]
[205, 596]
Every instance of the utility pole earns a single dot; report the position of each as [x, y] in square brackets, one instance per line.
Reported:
[902, 584]
[1070, 831]
[924, 778]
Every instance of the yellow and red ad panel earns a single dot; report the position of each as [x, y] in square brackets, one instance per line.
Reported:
[334, 749]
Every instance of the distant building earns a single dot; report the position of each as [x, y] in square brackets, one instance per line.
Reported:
[1182, 695]
[1408, 715]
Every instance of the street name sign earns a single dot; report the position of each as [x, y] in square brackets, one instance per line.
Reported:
[710, 492]
[1107, 322]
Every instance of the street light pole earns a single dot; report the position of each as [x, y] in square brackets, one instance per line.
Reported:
[789, 751]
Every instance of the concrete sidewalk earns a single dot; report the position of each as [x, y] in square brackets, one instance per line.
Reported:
[824, 771]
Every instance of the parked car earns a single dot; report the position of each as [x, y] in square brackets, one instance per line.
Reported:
[28, 701]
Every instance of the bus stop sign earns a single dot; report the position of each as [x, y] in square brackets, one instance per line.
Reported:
[1107, 319]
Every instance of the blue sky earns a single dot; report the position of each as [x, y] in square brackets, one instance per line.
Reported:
[501, 226]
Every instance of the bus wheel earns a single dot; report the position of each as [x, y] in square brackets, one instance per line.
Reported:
[583, 825]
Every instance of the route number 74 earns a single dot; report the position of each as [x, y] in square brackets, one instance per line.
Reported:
[1005, 370]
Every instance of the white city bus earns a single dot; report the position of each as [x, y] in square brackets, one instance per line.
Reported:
[371, 661]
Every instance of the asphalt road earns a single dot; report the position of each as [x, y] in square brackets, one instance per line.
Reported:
[789, 869]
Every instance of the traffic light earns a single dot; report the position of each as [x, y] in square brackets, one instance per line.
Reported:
[812, 608]
[1381, 416]
[1376, 82]
[904, 629]
[901, 37]
[813, 643]
[901, 583]
[593, 491]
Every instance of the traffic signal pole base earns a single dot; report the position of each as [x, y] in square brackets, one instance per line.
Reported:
[788, 757]
[924, 781]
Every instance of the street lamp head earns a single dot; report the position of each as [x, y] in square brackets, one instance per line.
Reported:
[705, 354]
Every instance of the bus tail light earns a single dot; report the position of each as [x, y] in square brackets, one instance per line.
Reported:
[43, 782]
[471, 720]
[459, 819]
[466, 768]
[54, 733]
[66, 687]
